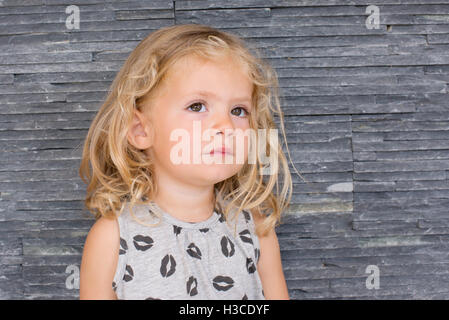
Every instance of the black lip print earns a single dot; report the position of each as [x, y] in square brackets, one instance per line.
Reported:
[168, 259]
[247, 216]
[245, 297]
[263, 293]
[194, 251]
[114, 286]
[223, 283]
[225, 241]
[151, 298]
[192, 285]
[123, 246]
[177, 230]
[222, 217]
[250, 265]
[257, 254]
[129, 275]
[204, 230]
[245, 236]
[142, 243]
[151, 213]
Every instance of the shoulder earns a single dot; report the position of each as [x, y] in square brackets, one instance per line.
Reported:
[269, 245]
[103, 232]
[270, 264]
[99, 260]
[268, 241]
[257, 216]
[259, 219]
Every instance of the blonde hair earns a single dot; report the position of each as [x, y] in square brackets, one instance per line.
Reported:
[121, 172]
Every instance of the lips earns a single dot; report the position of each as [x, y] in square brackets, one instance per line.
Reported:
[222, 150]
[223, 283]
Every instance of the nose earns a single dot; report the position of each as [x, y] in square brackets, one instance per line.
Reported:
[222, 123]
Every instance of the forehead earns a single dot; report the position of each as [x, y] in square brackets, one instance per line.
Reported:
[193, 61]
[192, 73]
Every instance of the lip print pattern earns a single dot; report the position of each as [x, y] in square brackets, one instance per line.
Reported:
[227, 246]
[194, 251]
[245, 236]
[250, 265]
[192, 285]
[123, 246]
[223, 283]
[169, 261]
[129, 273]
[142, 243]
[247, 216]
[177, 230]
[170, 264]
[152, 214]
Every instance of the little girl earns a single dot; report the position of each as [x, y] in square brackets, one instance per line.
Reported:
[169, 226]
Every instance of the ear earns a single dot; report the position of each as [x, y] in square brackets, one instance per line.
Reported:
[141, 132]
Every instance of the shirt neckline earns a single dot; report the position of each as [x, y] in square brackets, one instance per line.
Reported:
[185, 224]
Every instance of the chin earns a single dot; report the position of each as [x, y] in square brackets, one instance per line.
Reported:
[215, 173]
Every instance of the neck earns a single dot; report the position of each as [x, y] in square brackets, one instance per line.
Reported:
[184, 201]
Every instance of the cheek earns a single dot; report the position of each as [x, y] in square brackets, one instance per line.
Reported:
[242, 140]
[162, 143]
[182, 140]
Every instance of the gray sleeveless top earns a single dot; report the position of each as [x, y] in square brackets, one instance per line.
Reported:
[213, 259]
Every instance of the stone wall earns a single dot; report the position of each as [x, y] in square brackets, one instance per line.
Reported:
[366, 117]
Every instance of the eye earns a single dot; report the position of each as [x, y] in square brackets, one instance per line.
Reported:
[246, 111]
[195, 105]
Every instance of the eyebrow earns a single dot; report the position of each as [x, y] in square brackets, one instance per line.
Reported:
[211, 94]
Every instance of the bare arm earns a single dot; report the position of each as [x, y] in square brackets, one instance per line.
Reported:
[99, 261]
[270, 265]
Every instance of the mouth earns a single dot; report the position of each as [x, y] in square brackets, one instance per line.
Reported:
[221, 151]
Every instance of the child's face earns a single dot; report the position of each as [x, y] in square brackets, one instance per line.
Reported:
[179, 105]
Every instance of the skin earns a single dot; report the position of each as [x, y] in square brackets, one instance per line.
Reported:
[219, 111]
[177, 105]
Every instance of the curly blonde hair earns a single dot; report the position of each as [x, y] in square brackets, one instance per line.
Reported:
[120, 172]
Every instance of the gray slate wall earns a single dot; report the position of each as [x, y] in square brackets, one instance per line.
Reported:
[367, 124]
